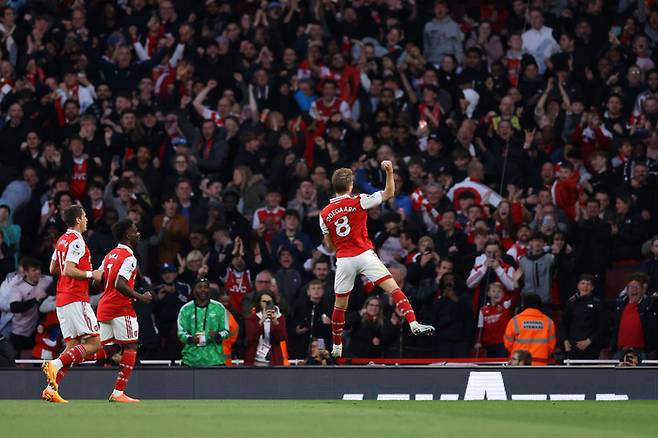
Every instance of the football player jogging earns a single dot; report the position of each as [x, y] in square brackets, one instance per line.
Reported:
[344, 225]
[119, 328]
[71, 260]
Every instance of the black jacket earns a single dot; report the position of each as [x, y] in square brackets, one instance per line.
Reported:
[453, 320]
[648, 309]
[307, 314]
[593, 245]
[650, 267]
[630, 237]
[585, 317]
[362, 335]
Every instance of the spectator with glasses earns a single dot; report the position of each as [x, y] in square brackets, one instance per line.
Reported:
[635, 324]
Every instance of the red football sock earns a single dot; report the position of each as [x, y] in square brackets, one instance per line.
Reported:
[403, 304]
[337, 324]
[99, 355]
[128, 358]
[74, 355]
[61, 373]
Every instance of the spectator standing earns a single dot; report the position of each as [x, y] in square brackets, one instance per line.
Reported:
[635, 321]
[370, 332]
[176, 227]
[233, 326]
[536, 270]
[532, 331]
[593, 243]
[584, 323]
[11, 233]
[202, 326]
[452, 316]
[309, 319]
[627, 229]
[442, 36]
[538, 41]
[488, 268]
[265, 333]
[168, 298]
[293, 238]
[492, 321]
[27, 290]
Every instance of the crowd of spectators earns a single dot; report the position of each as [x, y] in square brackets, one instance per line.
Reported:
[524, 136]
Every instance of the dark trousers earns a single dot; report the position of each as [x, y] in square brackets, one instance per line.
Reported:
[21, 343]
[7, 353]
[496, 350]
[451, 349]
[591, 352]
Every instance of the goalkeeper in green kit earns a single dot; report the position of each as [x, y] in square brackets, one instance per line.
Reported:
[202, 326]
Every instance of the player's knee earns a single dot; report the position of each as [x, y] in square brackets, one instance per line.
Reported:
[389, 285]
[92, 344]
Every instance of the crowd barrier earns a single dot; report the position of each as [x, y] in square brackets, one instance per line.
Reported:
[374, 382]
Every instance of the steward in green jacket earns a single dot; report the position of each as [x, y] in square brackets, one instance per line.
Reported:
[202, 325]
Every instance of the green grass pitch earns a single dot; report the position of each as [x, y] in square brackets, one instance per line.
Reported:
[363, 419]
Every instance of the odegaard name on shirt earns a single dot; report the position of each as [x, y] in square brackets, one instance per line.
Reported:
[339, 210]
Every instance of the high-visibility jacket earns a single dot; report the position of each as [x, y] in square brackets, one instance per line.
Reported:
[227, 344]
[532, 331]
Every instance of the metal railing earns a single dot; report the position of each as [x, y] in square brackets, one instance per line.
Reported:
[605, 363]
[148, 362]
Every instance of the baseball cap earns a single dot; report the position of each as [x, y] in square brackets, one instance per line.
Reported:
[168, 267]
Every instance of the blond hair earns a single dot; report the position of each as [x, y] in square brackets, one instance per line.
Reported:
[341, 180]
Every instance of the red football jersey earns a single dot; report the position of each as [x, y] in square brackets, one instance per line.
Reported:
[79, 179]
[113, 304]
[493, 320]
[238, 285]
[71, 247]
[345, 219]
[273, 219]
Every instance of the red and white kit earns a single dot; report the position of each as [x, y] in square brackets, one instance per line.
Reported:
[345, 220]
[76, 317]
[115, 310]
[493, 319]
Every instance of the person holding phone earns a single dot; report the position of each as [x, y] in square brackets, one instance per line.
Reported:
[318, 353]
[265, 332]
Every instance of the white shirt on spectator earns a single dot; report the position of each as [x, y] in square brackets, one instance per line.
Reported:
[540, 44]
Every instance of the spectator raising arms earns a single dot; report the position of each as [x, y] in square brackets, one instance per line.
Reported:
[216, 127]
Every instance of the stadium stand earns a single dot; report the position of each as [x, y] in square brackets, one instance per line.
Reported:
[524, 137]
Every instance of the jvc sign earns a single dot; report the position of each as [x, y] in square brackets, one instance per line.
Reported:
[488, 385]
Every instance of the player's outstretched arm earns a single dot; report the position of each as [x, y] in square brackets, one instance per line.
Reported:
[389, 190]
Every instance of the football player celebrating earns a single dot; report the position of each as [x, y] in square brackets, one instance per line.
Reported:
[344, 225]
[119, 329]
